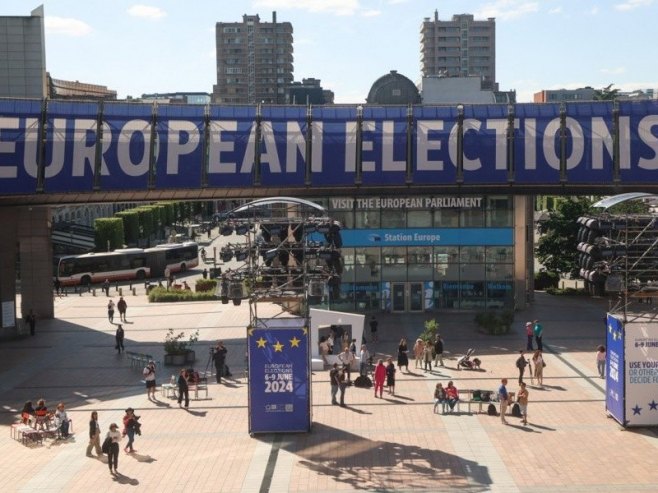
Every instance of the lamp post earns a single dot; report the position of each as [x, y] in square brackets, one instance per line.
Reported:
[510, 142]
[358, 178]
[460, 144]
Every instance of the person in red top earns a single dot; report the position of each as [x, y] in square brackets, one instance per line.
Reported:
[452, 394]
[380, 378]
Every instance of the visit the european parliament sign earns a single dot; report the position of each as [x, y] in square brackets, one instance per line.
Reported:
[279, 376]
[78, 146]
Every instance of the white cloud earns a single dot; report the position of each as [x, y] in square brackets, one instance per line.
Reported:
[336, 7]
[147, 12]
[66, 26]
[594, 11]
[613, 70]
[633, 4]
[507, 9]
[371, 13]
[556, 10]
[396, 2]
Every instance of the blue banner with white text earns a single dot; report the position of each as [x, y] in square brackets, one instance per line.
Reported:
[170, 147]
[615, 369]
[279, 376]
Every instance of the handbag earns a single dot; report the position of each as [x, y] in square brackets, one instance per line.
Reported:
[105, 448]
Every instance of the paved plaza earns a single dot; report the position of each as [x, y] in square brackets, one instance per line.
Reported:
[391, 444]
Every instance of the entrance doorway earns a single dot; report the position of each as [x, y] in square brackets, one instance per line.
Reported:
[407, 297]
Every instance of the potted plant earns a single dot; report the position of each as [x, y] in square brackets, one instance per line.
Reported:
[178, 350]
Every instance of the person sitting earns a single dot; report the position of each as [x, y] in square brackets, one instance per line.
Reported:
[63, 421]
[186, 286]
[452, 395]
[41, 415]
[27, 414]
[440, 398]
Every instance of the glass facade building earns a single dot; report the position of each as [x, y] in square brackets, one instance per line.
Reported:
[423, 253]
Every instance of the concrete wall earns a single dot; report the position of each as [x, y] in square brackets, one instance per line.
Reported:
[524, 274]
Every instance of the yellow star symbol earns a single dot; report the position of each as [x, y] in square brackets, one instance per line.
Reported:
[261, 342]
[294, 342]
[305, 330]
[278, 347]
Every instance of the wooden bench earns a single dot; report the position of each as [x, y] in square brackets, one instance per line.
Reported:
[466, 399]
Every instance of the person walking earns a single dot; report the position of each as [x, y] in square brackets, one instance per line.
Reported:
[538, 361]
[380, 378]
[390, 376]
[106, 287]
[438, 350]
[538, 331]
[600, 360]
[428, 349]
[373, 329]
[522, 399]
[183, 389]
[418, 349]
[334, 381]
[219, 358]
[149, 378]
[113, 452]
[342, 385]
[503, 396]
[122, 306]
[31, 321]
[94, 435]
[521, 363]
[110, 311]
[529, 332]
[403, 358]
[119, 336]
[131, 427]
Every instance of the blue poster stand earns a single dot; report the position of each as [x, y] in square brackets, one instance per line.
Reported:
[279, 376]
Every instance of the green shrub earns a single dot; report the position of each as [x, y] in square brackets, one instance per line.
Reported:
[161, 295]
[431, 328]
[495, 323]
[203, 285]
[545, 279]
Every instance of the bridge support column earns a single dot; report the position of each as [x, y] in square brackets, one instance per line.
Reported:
[524, 258]
[8, 247]
[36, 254]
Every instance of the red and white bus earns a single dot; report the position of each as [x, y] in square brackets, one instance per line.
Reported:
[126, 264]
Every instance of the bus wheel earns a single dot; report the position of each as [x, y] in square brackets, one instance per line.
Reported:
[86, 282]
[141, 275]
[183, 267]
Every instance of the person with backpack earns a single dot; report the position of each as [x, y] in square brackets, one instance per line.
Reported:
[118, 337]
[529, 332]
[521, 363]
[122, 306]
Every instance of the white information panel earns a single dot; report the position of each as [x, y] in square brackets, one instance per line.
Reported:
[8, 315]
[641, 358]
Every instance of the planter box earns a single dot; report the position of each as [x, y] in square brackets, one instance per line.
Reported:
[180, 359]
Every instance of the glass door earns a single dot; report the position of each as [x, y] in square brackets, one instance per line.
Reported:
[398, 297]
[416, 296]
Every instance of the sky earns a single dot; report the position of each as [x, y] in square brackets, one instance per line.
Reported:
[157, 46]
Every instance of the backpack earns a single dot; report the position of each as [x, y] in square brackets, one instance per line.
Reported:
[516, 410]
[491, 410]
[521, 362]
[363, 382]
[105, 448]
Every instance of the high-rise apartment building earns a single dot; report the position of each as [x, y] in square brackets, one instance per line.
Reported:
[459, 47]
[254, 61]
[23, 56]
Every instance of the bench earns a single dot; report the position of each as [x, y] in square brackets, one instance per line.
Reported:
[466, 398]
[201, 384]
[25, 434]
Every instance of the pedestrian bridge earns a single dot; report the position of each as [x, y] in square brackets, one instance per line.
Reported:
[54, 152]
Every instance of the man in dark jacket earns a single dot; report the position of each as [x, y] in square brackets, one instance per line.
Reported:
[438, 350]
[219, 358]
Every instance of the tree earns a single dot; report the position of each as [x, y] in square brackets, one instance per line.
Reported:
[109, 231]
[556, 248]
[606, 94]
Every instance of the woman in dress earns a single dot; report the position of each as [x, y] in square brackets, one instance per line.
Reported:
[390, 377]
[403, 359]
[538, 362]
[418, 352]
[380, 378]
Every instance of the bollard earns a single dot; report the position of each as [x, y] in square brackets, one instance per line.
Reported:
[116, 286]
[120, 291]
[134, 291]
[93, 292]
[80, 293]
[131, 284]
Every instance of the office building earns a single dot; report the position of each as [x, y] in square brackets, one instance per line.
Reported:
[308, 91]
[178, 98]
[459, 47]
[557, 95]
[68, 89]
[23, 56]
[254, 61]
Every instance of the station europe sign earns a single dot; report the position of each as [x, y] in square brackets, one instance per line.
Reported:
[82, 146]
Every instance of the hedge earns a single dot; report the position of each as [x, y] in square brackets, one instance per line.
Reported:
[161, 295]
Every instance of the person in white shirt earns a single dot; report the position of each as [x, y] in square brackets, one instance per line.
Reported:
[114, 435]
[149, 378]
[347, 358]
[364, 356]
